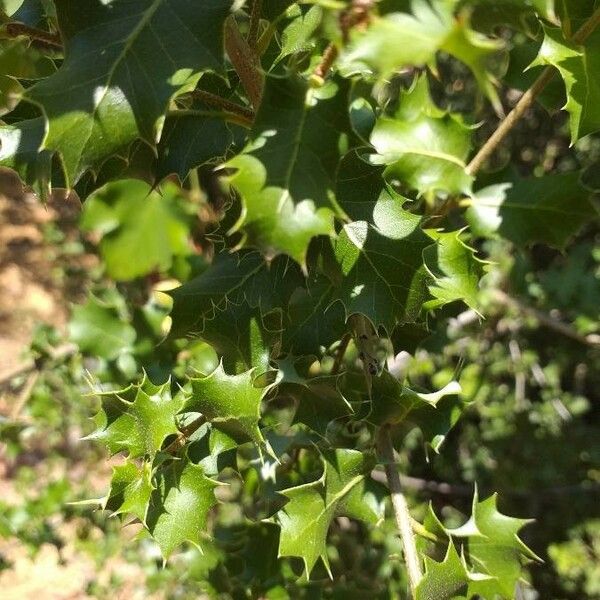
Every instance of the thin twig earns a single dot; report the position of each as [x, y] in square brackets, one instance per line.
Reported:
[184, 434]
[526, 101]
[39, 35]
[329, 56]
[403, 518]
[547, 320]
[217, 101]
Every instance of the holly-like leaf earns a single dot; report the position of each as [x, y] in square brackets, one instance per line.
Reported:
[179, 505]
[130, 489]
[196, 300]
[137, 419]
[400, 40]
[443, 580]
[433, 413]
[305, 519]
[142, 229]
[318, 399]
[384, 277]
[493, 548]
[455, 269]
[423, 147]
[212, 449]
[578, 65]
[98, 329]
[19, 151]
[144, 53]
[284, 176]
[547, 210]
[230, 402]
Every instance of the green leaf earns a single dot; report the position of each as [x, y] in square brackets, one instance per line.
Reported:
[424, 148]
[297, 36]
[179, 505]
[144, 54]
[19, 151]
[98, 329]
[197, 300]
[305, 519]
[384, 277]
[138, 419]
[547, 210]
[578, 66]
[455, 269]
[494, 547]
[130, 489]
[443, 580]
[401, 40]
[212, 449]
[230, 402]
[142, 229]
[318, 400]
[434, 413]
[284, 176]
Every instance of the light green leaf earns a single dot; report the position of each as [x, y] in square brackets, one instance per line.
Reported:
[138, 419]
[144, 53]
[179, 505]
[142, 229]
[130, 489]
[403, 40]
[424, 148]
[384, 277]
[284, 176]
[305, 519]
[494, 547]
[230, 402]
[443, 580]
[296, 37]
[455, 269]
[578, 66]
[98, 329]
[547, 210]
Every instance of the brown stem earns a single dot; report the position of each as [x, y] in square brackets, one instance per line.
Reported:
[526, 101]
[245, 62]
[329, 56]
[254, 24]
[184, 434]
[401, 512]
[39, 35]
[547, 320]
[227, 105]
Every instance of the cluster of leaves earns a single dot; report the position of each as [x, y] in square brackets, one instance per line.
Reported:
[292, 165]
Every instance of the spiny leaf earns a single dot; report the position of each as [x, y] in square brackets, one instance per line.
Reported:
[230, 402]
[578, 66]
[547, 210]
[424, 148]
[443, 580]
[305, 519]
[179, 505]
[143, 53]
[284, 176]
[455, 269]
[318, 400]
[130, 489]
[138, 419]
[384, 277]
[402, 40]
[142, 229]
